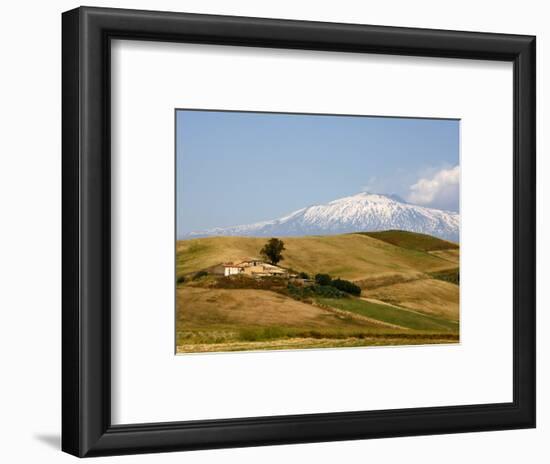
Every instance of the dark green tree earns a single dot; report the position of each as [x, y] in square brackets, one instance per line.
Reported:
[346, 286]
[272, 250]
[323, 279]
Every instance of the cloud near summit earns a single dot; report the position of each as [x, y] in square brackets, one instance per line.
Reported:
[439, 191]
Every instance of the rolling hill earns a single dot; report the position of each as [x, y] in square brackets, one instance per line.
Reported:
[412, 240]
[210, 320]
[349, 256]
[409, 282]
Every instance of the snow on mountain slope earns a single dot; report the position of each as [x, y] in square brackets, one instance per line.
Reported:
[364, 212]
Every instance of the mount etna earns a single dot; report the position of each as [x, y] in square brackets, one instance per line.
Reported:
[364, 212]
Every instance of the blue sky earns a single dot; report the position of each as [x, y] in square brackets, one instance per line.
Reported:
[238, 168]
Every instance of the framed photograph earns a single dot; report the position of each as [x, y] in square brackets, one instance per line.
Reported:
[286, 231]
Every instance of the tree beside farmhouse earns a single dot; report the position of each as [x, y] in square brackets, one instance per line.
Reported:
[272, 250]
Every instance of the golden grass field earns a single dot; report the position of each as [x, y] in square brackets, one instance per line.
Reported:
[349, 256]
[450, 255]
[246, 307]
[403, 300]
[428, 296]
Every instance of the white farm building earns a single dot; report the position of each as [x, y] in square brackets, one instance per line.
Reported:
[253, 268]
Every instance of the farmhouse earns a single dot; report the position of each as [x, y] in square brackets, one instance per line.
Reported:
[253, 268]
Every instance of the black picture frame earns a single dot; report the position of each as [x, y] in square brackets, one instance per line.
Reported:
[86, 287]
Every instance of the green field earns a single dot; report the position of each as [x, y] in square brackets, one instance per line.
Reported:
[391, 314]
[409, 294]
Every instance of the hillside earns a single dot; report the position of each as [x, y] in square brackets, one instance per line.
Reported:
[409, 293]
[427, 296]
[349, 256]
[210, 320]
[412, 240]
[239, 308]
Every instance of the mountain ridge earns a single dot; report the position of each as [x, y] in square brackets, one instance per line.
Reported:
[363, 212]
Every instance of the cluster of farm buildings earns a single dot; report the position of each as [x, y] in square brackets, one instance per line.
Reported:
[254, 268]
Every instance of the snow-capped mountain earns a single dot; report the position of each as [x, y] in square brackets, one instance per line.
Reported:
[364, 212]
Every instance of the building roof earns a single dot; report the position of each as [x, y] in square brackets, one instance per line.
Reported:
[267, 267]
[242, 261]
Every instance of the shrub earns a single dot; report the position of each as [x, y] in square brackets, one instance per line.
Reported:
[303, 275]
[323, 279]
[298, 293]
[250, 335]
[328, 291]
[200, 274]
[180, 279]
[346, 286]
[243, 281]
[307, 293]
